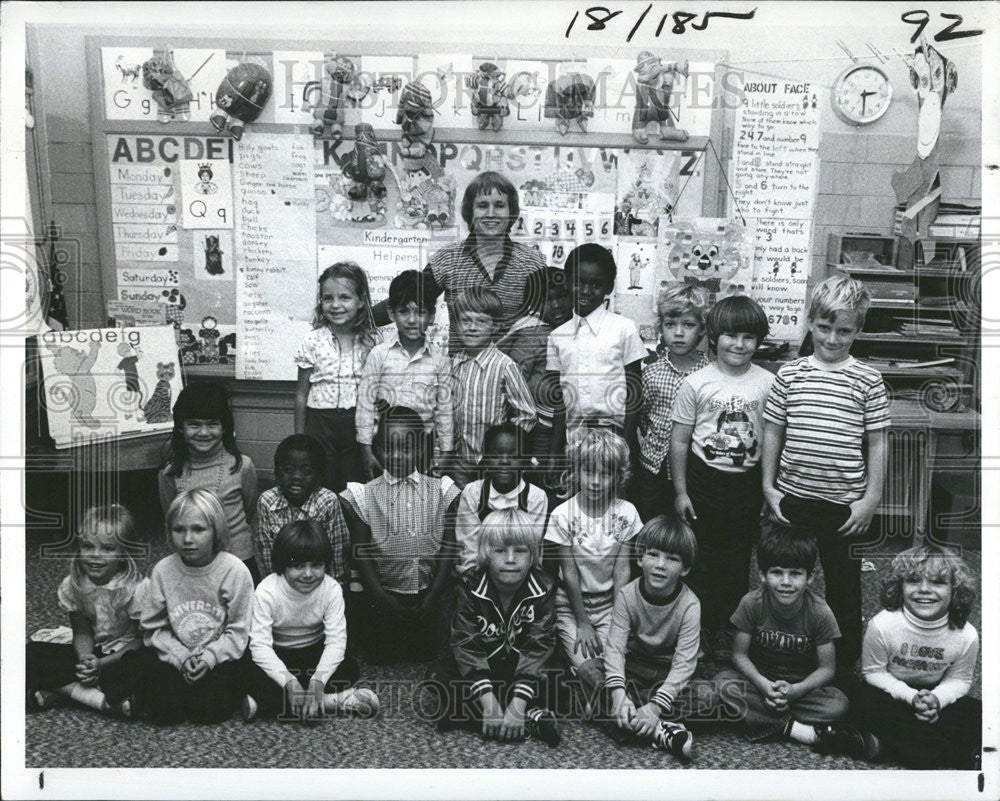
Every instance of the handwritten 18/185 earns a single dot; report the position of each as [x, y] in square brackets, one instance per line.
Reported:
[600, 16]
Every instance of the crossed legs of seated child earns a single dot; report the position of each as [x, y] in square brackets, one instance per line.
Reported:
[303, 696]
[499, 709]
[784, 654]
[98, 680]
[923, 734]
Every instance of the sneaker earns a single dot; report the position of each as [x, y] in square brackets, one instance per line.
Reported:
[38, 700]
[675, 738]
[248, 708]
[355, 701]
[843, 738]
[541, 723]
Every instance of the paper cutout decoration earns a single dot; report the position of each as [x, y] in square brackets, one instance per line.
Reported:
[918, 187]
[710, 252]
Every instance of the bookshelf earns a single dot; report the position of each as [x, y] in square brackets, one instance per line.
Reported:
[922, 329]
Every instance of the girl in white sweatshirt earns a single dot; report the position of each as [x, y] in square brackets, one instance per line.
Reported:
[298, 635]
[918, 660]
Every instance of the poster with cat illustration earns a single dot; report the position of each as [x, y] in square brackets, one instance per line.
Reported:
[109, 382]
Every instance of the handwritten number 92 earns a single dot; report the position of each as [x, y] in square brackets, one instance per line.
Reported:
[921, 18]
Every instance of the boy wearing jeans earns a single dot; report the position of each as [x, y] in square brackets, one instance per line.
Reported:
[824, 442]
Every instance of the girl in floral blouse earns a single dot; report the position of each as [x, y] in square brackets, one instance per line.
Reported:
[591, 532]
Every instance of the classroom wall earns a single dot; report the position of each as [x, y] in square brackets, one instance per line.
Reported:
[853, 193]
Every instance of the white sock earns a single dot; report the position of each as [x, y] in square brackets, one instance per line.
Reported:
[88, 696]
[802, 733]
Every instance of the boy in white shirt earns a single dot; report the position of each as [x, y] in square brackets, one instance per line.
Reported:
[597, 354]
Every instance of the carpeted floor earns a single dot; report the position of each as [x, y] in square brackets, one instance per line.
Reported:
[397, 738]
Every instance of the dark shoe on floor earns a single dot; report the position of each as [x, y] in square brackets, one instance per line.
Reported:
[842, 738]
[675, 738]
[541, 723]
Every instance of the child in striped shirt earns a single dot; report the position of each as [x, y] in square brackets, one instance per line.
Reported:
[818, 473]
[487, 386]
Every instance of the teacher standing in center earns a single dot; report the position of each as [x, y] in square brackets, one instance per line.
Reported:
[488, 257]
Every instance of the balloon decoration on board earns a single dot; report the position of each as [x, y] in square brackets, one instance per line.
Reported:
[918, 187]
[654, 84]
[240, 98]
[330, 120]
[570, 99]
[171, 90]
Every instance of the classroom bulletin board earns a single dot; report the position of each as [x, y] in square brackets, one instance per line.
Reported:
[225, 239]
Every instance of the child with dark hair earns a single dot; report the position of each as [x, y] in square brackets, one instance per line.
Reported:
[652, 648]
[497, 676]
[502, 488]
[784, 654]
[402, 533]
[299, 462]
[407, 370]
[202, 452]
[487, 387]
[548, 305]
[596, 356]
[918, 660]
[298, 635]
[715, 449]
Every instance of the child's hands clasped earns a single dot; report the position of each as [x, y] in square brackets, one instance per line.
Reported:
[776, 695]
[194, 668]
[926, 706]
[87, 670]
[312, 705]
[588, 643]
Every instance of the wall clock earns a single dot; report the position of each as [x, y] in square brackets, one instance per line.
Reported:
[861, 94]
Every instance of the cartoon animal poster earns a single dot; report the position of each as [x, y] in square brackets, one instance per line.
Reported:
[118, 382]
[714, 253]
